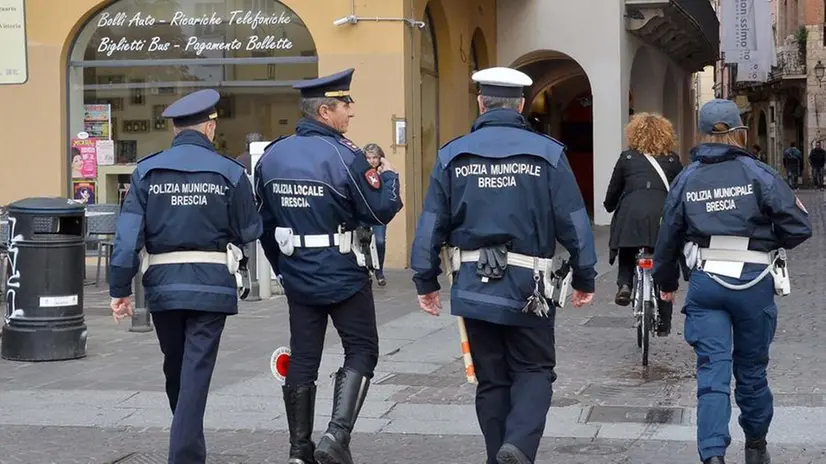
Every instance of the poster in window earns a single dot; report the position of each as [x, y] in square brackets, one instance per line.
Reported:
[84, 158]
[84, 191]
[97, 121]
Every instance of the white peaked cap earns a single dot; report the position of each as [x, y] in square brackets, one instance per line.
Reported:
[501, 82]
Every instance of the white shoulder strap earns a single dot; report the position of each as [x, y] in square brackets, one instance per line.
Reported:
[659, 170]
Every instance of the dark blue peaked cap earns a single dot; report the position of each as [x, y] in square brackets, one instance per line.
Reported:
[194, 108]
[333, 86]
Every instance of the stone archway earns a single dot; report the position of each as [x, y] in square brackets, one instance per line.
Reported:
[560, 104]
[671, 101]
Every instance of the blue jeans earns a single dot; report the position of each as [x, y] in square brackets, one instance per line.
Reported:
[817, 173]
[381, 244]
[731, 331]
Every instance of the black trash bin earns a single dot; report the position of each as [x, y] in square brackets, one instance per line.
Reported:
[44, 288]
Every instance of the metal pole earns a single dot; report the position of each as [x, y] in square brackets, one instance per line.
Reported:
[140, 314]
[252, 268]
[264, 271]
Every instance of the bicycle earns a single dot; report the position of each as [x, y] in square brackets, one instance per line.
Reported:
[646, 302]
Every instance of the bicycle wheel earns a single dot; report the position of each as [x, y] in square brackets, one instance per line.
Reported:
[647, 327]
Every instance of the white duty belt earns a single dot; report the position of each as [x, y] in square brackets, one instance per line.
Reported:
[345, 240]
[738, 256]
[555, 284]
[230, 258]
[775, 262]
[514, 259]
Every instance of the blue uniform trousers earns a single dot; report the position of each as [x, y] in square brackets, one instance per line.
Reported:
[515, 372]
[355, 321]
[189, 341]
[381, 244]
[730, 331]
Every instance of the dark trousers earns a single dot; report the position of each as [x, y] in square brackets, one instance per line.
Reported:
[355, 321]
[817, 173]
[189, 341]
[515, 371]
[381, 244]
[626, 266]
[731, 332]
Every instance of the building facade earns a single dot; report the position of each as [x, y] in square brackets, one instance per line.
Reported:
[107, 69]
[791, 105]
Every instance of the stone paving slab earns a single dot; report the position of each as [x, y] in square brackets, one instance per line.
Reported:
[73, 445]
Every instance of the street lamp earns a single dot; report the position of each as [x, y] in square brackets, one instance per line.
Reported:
[819, 69]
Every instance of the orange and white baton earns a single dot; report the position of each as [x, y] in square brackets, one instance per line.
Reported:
[470, 371]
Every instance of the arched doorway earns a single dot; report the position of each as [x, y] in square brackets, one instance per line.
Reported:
[133, 58]
[429, 71]
[559, 104]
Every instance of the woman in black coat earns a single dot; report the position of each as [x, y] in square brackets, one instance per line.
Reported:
[636, 195]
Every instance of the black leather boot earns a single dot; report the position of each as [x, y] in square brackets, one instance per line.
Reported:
[715, 460]
[623, 297]
[756, 452]
[300, 405]
[350, 391]
[666, 309]
[510, 454]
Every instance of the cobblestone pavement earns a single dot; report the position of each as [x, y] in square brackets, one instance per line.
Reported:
[607, 408]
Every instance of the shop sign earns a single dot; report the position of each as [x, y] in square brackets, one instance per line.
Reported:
[254, 21]
[13, 59]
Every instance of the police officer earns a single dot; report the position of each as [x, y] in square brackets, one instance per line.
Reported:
[187, 215]
[314, 189]
[735, 215]
[501, 197]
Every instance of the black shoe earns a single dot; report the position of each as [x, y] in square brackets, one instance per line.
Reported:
[664, 323]
[756, 452]
[510, 454]
[380, 279]
[350, 391]
[623, 297]
[299, 403]
[715, 460]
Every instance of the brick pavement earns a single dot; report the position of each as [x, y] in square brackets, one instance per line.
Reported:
[111, 403]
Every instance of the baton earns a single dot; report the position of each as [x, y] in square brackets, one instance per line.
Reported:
[470, 371]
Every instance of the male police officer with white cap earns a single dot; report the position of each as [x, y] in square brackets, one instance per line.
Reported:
[185, 220]
[314, 189]
[501, 197]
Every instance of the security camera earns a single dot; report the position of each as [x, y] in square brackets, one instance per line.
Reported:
[347, 19]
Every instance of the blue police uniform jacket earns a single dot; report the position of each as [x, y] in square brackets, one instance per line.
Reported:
[313, 182]
[186, 198]
[726, 191]
[501, 184]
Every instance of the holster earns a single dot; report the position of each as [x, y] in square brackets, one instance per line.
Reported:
[237, 266]
[493, 262]
[556, 284]
[780, 274]
[344, 246]
[284, 239]
[364, 247]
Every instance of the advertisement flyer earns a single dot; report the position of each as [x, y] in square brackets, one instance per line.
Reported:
[84, 191]
[97, 121]
[84, 159]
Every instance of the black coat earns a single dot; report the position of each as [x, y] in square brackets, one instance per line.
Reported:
[636, 196]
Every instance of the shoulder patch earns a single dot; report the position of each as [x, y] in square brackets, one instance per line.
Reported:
[150, 156]
[349, 144]
[373, 179]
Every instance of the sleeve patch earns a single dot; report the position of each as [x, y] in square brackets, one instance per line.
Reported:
[349, 144]
[373, 179]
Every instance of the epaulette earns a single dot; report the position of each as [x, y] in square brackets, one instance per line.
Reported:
[565, 148]
[451, 141]
[234, 160]
[275, 141]
[150, 156]
[349, 144]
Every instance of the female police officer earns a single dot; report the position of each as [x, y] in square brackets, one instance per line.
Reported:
[732, 216]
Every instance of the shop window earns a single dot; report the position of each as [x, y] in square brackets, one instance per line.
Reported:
[134, 58]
